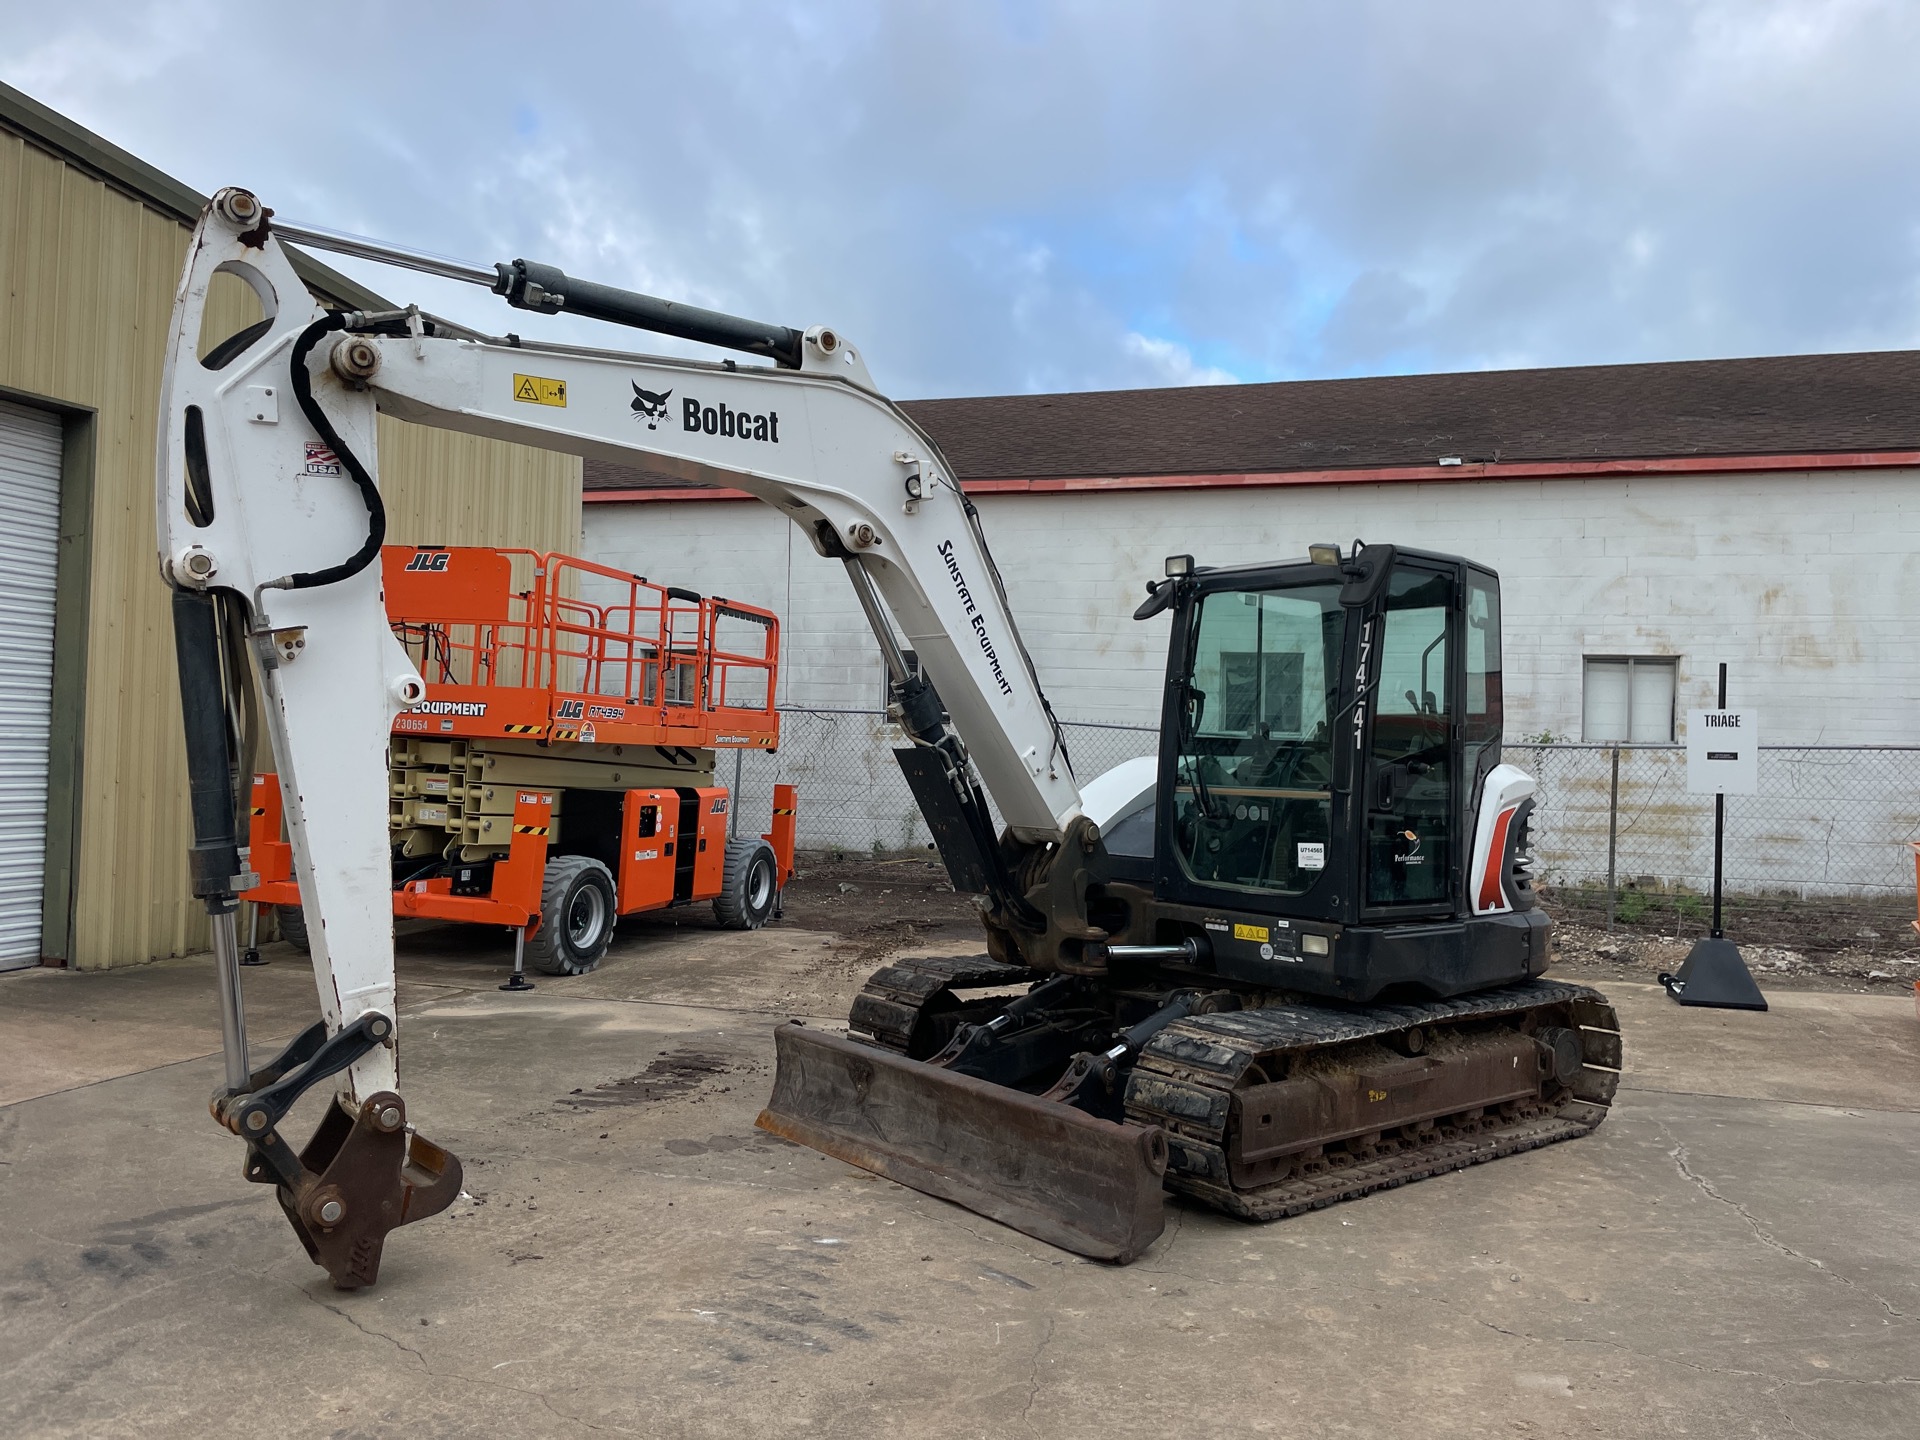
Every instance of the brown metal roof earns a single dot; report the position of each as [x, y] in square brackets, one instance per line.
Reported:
[1788, 405]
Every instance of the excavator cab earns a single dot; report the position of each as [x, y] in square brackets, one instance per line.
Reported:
[1328, 732]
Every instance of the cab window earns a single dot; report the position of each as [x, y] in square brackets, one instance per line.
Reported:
[1410, 797]
[1254, 761]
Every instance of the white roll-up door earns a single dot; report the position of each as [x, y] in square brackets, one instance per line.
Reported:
[29, 554]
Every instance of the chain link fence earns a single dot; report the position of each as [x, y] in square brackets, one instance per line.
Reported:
[1817, 857]
[852, 795]
[1828, 820]
[1821, 848]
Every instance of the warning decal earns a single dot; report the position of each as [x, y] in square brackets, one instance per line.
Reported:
[539, 390]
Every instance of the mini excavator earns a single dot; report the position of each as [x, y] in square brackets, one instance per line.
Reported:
[1294, 959]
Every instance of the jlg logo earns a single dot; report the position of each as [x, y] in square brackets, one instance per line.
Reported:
[429, 560]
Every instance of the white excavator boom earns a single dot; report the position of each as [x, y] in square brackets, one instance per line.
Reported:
[269, 522]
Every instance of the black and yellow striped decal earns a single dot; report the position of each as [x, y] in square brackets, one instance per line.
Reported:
[523, 729]
[258, 811]
[530, 830]
[778, 811]
[560, 734]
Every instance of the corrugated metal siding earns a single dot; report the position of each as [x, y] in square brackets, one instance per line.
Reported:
[87, 276]
[29, 552]
[447, 489]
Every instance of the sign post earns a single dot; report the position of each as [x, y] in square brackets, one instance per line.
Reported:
[1723, 758]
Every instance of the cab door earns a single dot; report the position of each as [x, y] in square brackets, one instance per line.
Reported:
[1411, 827]
[1246, 814]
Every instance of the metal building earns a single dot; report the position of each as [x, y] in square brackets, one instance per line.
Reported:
[93, 818]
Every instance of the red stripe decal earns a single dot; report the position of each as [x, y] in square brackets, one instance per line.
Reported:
[1492, 895]
[1373, 475]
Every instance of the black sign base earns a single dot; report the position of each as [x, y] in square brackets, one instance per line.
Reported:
[1713, 974]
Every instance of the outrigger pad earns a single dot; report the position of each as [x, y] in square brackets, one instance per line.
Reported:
[1059, 1174]
[1715, 975]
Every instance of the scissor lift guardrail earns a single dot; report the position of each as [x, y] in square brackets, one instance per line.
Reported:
[579, 676]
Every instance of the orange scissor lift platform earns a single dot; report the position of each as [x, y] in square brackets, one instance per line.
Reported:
[556, 685]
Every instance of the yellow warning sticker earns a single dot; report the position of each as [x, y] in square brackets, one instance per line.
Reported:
[539, 390]
[1250, 932]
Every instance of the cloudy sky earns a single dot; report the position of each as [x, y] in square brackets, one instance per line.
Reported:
[1021, 196]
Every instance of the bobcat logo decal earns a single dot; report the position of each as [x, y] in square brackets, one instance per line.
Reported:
[648, 406]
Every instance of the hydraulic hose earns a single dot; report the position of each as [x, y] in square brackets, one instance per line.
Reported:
[302, 381]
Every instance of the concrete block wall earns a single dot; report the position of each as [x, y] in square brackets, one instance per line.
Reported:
[1807, 583]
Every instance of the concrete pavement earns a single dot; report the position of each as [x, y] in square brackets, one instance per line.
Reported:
[1732, 1254]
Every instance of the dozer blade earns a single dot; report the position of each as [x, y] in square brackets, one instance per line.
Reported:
[1059, 1174]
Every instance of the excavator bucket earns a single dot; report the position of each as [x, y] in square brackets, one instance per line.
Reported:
[1059, 1174]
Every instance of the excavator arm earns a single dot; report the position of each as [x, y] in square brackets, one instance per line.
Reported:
[269, 519]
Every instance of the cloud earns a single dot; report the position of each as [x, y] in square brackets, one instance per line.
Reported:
[1171, 363]
[47, 59]
[1067, 194]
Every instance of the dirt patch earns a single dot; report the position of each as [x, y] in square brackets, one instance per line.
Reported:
[873, 906]
[1824, 943]
[756, 1144]
[1819, 926]
[674, 1073]
[1590, 952]
[878, 907]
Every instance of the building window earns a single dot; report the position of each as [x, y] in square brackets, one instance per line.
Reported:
[1629, 698]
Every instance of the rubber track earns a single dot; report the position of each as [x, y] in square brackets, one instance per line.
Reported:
[1185, 1079]
[894, 995]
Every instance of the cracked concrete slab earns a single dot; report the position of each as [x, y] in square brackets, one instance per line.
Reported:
[1732, 1254]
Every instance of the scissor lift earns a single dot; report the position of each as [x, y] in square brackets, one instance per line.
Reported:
[559, 772]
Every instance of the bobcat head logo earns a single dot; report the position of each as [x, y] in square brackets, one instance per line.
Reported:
[648, 406]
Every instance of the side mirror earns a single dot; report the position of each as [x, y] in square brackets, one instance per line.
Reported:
[1160, 595]
[1365, 573]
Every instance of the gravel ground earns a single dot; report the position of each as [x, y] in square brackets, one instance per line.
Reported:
[877, 907]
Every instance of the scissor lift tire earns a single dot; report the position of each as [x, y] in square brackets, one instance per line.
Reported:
[292, 921]
[749, 885]
[577, 916]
